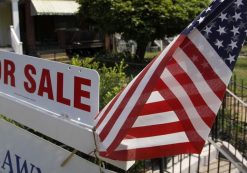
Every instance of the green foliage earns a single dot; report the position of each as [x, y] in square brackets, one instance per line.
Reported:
[112, 79]
[141, 20]
[76, 61]
[86, 62]
[240, 72]
[151, 55]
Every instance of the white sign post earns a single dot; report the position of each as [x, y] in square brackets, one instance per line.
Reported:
[65, 90]
[23, 152]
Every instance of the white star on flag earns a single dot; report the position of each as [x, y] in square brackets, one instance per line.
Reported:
[223, 17]
[221, 30]
[200, 20]
[231, 59]
[219, 43]
[233, 44]
[235, 30]
[237, 16]
[208, 29]
[239, 2]
[208, 9]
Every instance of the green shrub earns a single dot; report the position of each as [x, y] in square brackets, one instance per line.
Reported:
[112, 79]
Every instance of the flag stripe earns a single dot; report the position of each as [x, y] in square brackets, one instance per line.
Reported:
[155, 130]
[116, 133]
[106, 116]
[153, 141]
[211, 55]
[170, 107]
[99, 125]
[102, 115]
[171, 99]
[155, 97]
[126, 105]
[106, 110]
[198, 101]
[204, 68]
[155, 119]
[201, 128]
[153, 108]
[204, 89]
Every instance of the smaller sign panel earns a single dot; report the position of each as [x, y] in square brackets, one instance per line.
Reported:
[23, 152]
[65, 90]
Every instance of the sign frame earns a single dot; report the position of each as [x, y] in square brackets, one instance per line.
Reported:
[22, 150]
[71, 133]
[64, 89]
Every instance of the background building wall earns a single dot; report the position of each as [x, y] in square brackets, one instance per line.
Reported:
[5, 22]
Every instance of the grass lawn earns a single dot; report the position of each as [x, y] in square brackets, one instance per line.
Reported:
[240, 73]
[244, 51]
[241, 70]
[150, 55]
[241, 67]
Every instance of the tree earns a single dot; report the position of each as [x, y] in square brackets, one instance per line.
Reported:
[141, 20]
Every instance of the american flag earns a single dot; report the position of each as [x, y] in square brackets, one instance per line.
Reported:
[170, 107]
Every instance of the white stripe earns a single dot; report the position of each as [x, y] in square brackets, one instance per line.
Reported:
[215, 61]
[102, 112]
[155, 119]
[134, 98]
[115, 106]
[201, 128]
[122, 95]
[204, 89]
[155, 97]
[174, 138]
[113, 109]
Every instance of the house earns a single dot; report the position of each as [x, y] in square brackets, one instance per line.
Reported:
[33, 26]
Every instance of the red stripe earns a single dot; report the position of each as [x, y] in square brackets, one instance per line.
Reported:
[172, 100]
[144, 96]
[199, 103]
[152, 152]
[155, 130]
[122, 105]
[156, 107]
[204, 67]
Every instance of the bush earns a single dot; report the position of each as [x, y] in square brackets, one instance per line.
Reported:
[112, 79]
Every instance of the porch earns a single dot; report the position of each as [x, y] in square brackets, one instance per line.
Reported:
[47, 26]
[9, 26]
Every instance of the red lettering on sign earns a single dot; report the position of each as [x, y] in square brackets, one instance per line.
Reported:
[60, 97]
[79, 93]
[45, 85]
[9, 70]
[30, 86]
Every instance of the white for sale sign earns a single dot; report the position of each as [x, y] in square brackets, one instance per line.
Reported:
[23, 152]
[68, 91]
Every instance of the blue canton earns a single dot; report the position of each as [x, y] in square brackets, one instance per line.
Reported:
[224, 25]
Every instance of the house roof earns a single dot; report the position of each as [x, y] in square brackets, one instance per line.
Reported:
[54, 7]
